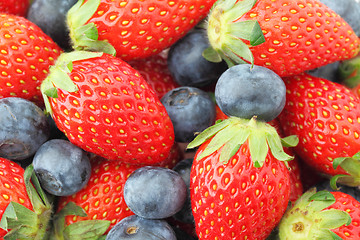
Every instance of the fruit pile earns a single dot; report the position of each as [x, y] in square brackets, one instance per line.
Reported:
[201, 119]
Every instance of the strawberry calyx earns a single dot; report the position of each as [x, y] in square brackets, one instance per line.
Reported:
[85, 35]
[87, 229]
[308, 218]
[228, 136]
[227, 35]
[59, 78]
[349, 72]
[350, 165]
[23, 222]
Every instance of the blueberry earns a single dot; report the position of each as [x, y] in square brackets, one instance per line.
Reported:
[184, 168]
[244, 92]
[50, 16]
[154, 192]
[190, 109]
[62, 168]
[187, 65]
[136, 228]
[23, 128]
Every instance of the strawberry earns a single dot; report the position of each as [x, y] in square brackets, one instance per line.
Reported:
[322, 215]
[133, 29]
[16, 7]
[26, 53]
[104, 106]
[156, 73]
[102, 198]
[239, 188]
[289, 37]
[325, 116]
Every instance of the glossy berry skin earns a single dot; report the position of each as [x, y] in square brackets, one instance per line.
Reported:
[137, 228]
[190, 109]
[349, 10]
[141, 29]
[50, 16]
[23, 128]
[187, 64]
[244, 92]
[26, 53]
[229, 205]
[155, 192]
[102, 198]
[16, 7]
[12, 187]
[62, 168]
[154, 70]
[114, 114]
[299, 35]
[324, 115]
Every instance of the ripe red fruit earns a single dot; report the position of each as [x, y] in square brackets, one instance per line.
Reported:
[16, 7]
[26, 53]
[325, 116]
[154, 70]
[238, 188]
[135, 29]
[104, 106]
[12, 187]
[289, 37]
[103, 197]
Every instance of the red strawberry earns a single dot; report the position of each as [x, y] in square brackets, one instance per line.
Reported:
[102, 198]
[155, 71]
[105, 107]
[322, 215]
[12, 187]
[135, 29]
[26, 53]
[16, 7]
[239, 189]
[326, 118]
[289, 37]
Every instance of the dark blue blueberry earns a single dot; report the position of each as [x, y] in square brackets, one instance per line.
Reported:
[50, 16]
[190, 109]
[155, 192]
[188, 66]
[244, 92]
[349, 10]
[184, 168]
[352, 191]
[137, 228]
[328, 71]
[23, 128]
[62, 168]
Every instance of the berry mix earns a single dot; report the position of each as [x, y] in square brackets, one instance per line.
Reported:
[179, 119]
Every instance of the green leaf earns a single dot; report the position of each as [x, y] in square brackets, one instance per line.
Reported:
[86, 230]
[321, 200]
[290, 141]
[51, 92]
[16, 215]
[81, 12]
[338, 161]
[335, 179]
[333, 218]
[276, 147]
[211, 55]
[356, 156]
[208, 133]
[249, 30]
[326, 234]
[237, 50]
[239, 9]
[258, 149]
[233, 145]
